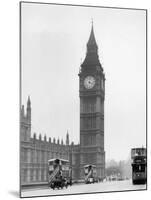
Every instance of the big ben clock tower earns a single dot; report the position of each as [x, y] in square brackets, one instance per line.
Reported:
[92, 92]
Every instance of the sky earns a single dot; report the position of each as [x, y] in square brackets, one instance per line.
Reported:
[54, 39]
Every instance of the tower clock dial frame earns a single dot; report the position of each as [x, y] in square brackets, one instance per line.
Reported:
[89, 82]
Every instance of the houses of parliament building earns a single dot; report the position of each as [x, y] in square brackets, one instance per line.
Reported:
[35, 151]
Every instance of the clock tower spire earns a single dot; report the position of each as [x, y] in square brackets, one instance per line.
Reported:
[91, 59]
[92, 93]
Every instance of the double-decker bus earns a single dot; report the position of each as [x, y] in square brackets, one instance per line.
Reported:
[90, 174]
[59, 173]
[139, 165]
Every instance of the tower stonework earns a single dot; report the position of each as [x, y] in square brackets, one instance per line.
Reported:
[36, 151]
[26, 122]
[92, 94]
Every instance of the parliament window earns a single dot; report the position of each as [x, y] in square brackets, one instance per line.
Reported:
[102, 84]
[25, 155]
[31, 174]
[25, 175]
[42, 156]
[37, 174]
[32, 156]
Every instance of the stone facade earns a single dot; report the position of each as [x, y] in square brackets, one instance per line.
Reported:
[92, 94]
[35, 151]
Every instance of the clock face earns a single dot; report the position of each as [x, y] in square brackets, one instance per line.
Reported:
[89, 82]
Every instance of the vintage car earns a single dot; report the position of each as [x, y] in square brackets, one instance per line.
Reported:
[59, 183]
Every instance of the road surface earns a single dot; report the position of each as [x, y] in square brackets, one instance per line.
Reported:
[84, 188]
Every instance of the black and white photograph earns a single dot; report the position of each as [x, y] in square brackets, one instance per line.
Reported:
[82, 99]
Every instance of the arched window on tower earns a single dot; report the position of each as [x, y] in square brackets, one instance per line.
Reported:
[37, 174]
[102, 84]
[102, 106]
